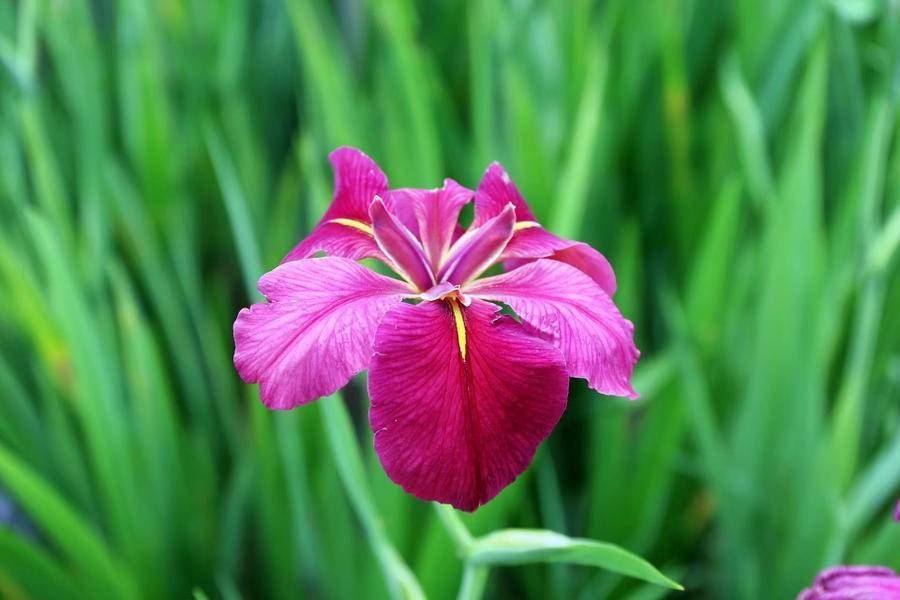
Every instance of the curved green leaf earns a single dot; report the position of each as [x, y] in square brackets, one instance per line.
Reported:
[525, 546]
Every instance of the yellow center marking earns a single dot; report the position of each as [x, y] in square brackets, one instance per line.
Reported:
[525, 225]
[460, 327]
[365, 228]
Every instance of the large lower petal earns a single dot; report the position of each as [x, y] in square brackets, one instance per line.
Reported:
[315, 332]
[563, 305]
[345, 229]
[456, 419]
[530, 240]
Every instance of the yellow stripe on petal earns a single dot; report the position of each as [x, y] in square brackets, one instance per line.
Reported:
[364, 227]
[525, 225]
[460, 327]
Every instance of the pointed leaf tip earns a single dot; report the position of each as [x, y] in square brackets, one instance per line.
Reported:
[526, 546]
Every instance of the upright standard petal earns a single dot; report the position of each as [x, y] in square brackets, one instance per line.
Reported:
[494, 192]
[530, 240]
[479, 248]
[345, 230]
[458, 416]
[315, 332]
[431, 214]
[563, 305]
[400, 246]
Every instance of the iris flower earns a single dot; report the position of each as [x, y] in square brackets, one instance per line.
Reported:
[461, 394]
[854, 582]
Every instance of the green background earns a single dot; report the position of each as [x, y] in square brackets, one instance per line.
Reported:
[738, 162]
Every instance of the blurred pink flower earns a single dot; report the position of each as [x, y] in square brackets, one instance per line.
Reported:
[854, 583]
[461, 395]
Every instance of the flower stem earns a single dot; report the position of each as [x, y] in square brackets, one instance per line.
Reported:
[455, 527]
[399, 578]
[474, 576]
[473, 582]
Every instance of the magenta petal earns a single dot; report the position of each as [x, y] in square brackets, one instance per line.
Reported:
[531, 241]
[431, 214]
[440, 291]
[315, 332]
[478, 248]
[446, 291]
[494, 192]
[357, 180]
[459, 431]
[402, 203]
[851, 582]
[342, 230]
[400, 246]
[335, 239]
[536, 242]
[563, 305]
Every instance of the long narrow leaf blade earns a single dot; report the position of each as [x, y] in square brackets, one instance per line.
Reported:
[526, 546]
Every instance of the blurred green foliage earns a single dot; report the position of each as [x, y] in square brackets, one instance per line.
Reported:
[739, 162]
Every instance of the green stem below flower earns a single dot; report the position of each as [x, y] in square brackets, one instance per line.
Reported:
[457, 530]
[399, 578]
[473, 582]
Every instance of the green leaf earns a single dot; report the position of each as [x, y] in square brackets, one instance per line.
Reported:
[25, 567]
[858, 11]
[575, 177]
[238, 213]
[527, 546]
[336, 420]
[750, 130]
[65, 528]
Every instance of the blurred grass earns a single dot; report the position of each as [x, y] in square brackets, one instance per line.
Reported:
[738, 162]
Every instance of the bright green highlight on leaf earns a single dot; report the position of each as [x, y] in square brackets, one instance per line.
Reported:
[527, 546]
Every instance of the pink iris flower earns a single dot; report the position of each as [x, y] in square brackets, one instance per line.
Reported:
[856, 582]
[461, 395]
